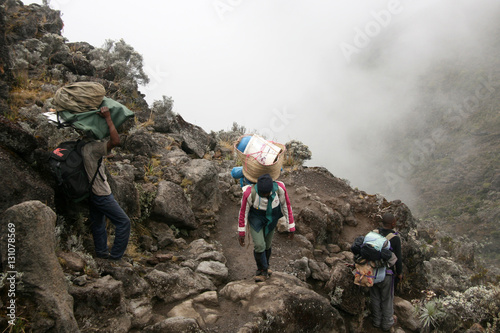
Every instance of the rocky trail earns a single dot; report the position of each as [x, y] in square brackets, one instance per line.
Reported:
[240, 261]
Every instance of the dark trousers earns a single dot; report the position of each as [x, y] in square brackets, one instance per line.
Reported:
[100, 208]
[382, 303]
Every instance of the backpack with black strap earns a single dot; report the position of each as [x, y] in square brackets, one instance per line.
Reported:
[373, 255]
[66, 164]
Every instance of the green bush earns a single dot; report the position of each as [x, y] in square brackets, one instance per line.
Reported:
[122, 60]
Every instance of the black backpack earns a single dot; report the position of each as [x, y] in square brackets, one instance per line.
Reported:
[66, 163]
[380, 255]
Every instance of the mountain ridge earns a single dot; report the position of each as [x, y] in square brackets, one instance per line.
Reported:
[182, 279]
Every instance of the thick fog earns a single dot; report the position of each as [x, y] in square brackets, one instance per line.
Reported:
[336, 75]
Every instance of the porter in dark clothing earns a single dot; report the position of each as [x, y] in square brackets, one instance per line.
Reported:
[382, 293]
[102, 202]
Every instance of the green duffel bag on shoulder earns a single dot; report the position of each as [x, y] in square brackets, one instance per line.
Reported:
[91, 123]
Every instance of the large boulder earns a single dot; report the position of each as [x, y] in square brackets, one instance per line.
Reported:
[102, 305]
[194, 140]
[16, 139]
[323, 222]
[202, 308]
[75, 62]
[22, 184]
[103, 296]
[284, 304]
[141, 143]
[405, 311]
[176, 284]
[202, 182]
[133, 284]
[126, 194]
[216, 271]
[30, 227]
[141, 310]
[344, 293]
[172, 207]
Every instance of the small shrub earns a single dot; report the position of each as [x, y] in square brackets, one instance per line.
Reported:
[430, 314]
[163, 107]
[296, 153]
[122, 60]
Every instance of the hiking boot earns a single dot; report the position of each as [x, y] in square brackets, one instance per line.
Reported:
[103, 256]
[102, 263]
[260, 276]
[119, 263]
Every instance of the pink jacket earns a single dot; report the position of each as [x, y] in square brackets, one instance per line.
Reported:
[261, 203]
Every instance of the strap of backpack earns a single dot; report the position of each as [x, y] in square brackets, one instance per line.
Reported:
[391, 235]
[253, 194]
[97, 171]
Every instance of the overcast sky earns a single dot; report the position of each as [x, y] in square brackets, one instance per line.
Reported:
[332, 74]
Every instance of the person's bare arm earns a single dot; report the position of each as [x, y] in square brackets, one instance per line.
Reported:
[114, 138]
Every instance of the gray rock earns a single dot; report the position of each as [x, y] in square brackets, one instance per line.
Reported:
[43, 280]
[405, 311]
[287, 303]
[344, 293]
[71, 261]
[176, 324]
[301, 268]
[141, 143]
[177, 157]
[133, 284]
[14, 138]
[194, 139]
[141, 310]
[319, 270]
[302, 241]
[22, 184]
[199, 246]
[215, 270]
[212, 256]
[163, 234]
[101, 298]
[172, 207]
[177, 284]
[325, 224]
[125, 194]
[203, 189]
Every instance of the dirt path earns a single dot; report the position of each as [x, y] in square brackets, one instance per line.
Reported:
[240, 260]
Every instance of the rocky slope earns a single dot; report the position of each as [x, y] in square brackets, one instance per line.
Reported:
[173, 179]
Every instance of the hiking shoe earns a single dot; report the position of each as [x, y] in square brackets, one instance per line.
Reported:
[102, 263]
[102, 256]
[119, 263]
[260, 276]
